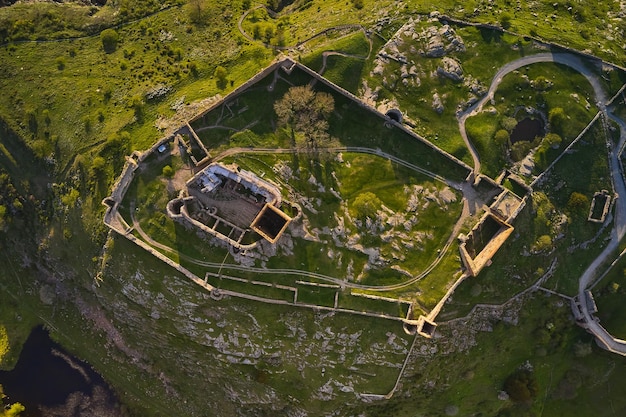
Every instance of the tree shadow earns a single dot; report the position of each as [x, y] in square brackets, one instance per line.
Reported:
[490, 35]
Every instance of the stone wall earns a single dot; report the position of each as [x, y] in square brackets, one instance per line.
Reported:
[383, 117]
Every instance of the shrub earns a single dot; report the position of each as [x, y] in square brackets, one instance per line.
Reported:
[221, 74]
[109, 38]
[366, 205]
[578, 203]
[521, 386]
[168, 171]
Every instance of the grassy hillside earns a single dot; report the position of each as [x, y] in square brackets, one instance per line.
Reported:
[76, 100]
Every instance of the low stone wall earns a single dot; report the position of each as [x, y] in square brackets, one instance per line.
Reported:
[605, 209]
[170, 262]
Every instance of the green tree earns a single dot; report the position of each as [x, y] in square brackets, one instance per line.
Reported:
[582, 349]
[542, 83]
[269, 33]
[505, 20]
[552, 140]
[358, 4]
[60, 61]
[196, 10]
[193, 68]
[520, 149]
[543, 243]
[14, 410]
[501, 139]
[4, 345]
[305, 111]
[509, 123]
[366, 205]
[137, 105]
[109, 38]
[273, 4]
[3, 224]
[97, 167]
[256, 31]
[70, 198]
[221, 74]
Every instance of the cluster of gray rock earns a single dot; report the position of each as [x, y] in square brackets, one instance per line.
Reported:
[440, 41]
[415, 41]
[410, 43]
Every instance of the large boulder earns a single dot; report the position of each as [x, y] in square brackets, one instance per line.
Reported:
[450, 68]
[437, 104]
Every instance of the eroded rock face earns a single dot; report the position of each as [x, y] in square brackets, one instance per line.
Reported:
[450, 68]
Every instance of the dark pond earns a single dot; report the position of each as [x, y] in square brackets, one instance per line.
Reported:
[50, 382]
[527, 129]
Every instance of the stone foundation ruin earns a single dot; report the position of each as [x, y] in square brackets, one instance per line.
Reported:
[229, 204]
[600, 206]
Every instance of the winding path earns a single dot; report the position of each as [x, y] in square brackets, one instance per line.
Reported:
[590, 323]
[569, 60]
[236, 267]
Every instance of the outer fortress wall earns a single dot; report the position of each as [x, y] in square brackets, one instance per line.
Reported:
[114, 221]
[243, 87]
[400, 126]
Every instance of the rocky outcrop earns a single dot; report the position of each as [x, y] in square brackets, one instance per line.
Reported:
[437, 103]
[439, 41]
[450, 68]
